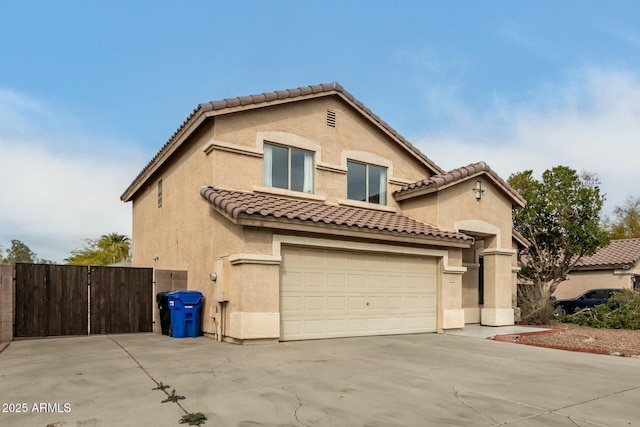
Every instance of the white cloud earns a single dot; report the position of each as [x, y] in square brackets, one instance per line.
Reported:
[59, 184]
[589, 122]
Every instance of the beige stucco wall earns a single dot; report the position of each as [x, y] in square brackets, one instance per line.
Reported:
[489, 221]
[581, 281]
[304, 125]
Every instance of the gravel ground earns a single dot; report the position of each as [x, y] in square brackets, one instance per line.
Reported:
[619, 342]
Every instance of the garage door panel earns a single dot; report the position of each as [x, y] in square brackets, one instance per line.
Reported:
[334, 261]
[428, 302]
[313, 279]
[394, 303]
[377, 303]
[376, 325]
[356, 280]
[292, 279]
[377, 281]
[415, 323]
[336, 326]
[292, 328]
[395, 324]
[291, 303]
[336, 280]
[356, 303]
[356, 327]
[314, 326]
[410, 302]
[413, 282]
[332, 293]
[314, 303]
[337, 303]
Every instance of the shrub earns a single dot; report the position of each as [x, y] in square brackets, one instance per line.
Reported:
[622, 312]
[535, 305]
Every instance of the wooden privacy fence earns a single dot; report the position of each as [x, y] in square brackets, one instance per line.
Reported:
[56, 300]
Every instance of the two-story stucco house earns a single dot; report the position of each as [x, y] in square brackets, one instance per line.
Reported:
[300, 214]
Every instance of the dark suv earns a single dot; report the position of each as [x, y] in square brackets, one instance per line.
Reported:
[589, 298]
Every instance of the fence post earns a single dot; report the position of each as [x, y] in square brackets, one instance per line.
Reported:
[7, 307]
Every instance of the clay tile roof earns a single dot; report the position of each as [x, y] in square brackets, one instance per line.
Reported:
[288, 94]
[619, 253]
[437, 181]
[235, 203]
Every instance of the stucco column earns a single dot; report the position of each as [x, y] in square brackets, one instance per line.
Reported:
[451, 292]
[6, 303]
[254, 306]
[498, 282]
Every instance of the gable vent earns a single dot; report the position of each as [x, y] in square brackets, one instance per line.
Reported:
[331, 118]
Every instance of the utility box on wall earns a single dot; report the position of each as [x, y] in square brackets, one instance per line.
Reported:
[220, 279]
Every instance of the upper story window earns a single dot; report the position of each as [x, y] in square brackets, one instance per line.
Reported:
[288, 168]
[160, 193]
[366, 183]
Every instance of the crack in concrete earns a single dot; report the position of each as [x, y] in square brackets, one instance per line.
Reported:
[557, 411]
[215, 368]
[146, 372]
[298, 406]
[465, 404]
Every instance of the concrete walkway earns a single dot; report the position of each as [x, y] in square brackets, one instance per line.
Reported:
[480, 331]
[410, 380]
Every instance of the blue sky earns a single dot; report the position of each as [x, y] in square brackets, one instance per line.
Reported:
[89, 91]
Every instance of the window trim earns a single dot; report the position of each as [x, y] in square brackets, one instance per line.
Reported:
[308, 168]
[383, 194]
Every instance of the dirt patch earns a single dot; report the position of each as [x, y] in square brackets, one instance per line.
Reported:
[618, 342]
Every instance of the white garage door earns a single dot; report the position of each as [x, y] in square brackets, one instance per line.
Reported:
[331, 293]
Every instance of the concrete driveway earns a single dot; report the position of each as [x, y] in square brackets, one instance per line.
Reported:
[411, 380]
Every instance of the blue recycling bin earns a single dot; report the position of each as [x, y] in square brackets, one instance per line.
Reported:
[185, 313]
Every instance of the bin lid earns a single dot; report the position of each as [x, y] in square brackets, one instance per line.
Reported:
[186, 296]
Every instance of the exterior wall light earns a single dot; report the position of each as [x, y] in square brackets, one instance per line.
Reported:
[478, 190]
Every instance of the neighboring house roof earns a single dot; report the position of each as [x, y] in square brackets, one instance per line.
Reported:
[241, 206]
[126, 263]
[439, 182]
[520, 239]
[623, 253]
[231, 105]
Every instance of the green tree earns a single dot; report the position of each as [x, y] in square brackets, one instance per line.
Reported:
[19, 252]
[561, 222]
[626, 222]
[108, 249]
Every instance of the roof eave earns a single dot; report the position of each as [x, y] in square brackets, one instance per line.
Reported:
[428, 189]
[194, 121]
[206, 110]
[603, 267]
[340, 230]
[389, 131]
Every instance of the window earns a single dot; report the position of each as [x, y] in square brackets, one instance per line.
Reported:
[160, 193]
[288, 168]
[367, 183]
